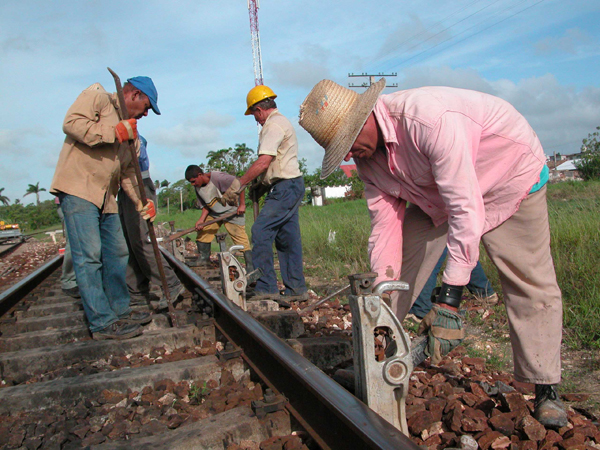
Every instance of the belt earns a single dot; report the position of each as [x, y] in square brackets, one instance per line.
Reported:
[145, 174]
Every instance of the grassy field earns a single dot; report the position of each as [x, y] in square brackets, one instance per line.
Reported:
[574, 210]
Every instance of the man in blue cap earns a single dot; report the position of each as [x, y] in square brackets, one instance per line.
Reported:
[94, 162]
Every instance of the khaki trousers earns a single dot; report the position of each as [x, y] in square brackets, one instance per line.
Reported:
[237, 232]
[520, 250]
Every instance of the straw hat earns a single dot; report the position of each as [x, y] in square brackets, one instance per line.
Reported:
[334, 116]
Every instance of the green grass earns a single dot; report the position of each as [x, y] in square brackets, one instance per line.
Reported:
[345, 255]
[499, 361]
[40, 233]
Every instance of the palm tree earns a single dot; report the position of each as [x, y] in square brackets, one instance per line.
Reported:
[3, 198]
[35, 189]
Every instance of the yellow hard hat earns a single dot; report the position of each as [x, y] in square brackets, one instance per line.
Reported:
[256, 94]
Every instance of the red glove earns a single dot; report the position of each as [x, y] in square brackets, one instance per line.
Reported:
[148, 211]
[126, 130]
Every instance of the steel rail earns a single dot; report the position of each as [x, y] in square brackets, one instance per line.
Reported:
[334, 417]
[7, 249]
[14, 294]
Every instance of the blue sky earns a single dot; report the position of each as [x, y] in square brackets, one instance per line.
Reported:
[542, 56]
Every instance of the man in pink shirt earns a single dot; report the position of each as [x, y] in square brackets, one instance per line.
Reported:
[472, 170]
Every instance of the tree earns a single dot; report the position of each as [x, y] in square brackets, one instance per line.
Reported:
[589, 165]
[3, 198]
[180, 190]
[35, 189]
[30, 217]
[337, 178]
[164, 183]
[357, 187]
[234, 161]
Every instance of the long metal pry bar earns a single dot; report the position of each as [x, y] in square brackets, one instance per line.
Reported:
[383, 385]
[144, 199]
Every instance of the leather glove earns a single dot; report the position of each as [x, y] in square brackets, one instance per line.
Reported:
[126, 130]
[231, 195]
[257, 189]
[444, 328]
[147, 211]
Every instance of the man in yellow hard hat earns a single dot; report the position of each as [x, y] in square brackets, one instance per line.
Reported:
[276, 169]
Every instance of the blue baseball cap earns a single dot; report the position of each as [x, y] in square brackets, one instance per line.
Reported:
[146, 85]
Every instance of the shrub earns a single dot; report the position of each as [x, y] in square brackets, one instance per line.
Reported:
[589, 166]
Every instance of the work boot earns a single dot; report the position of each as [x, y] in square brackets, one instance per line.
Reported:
[248, 259]
[139, 317]
[276, 297]
[174, 293]
[203, 255]
[72, 292]
[295, 297]
[118, 330]
[549, 410]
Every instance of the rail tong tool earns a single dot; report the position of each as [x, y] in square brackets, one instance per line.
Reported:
[144, 199]
[234, 277]
[382, 353]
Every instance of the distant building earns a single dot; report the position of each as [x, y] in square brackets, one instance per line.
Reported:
[319, 194]
[566, 171]
[348, 169]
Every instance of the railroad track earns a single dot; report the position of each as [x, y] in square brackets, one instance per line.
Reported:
[222, 380]
[7, 249]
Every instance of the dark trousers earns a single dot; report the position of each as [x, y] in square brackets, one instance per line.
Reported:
[478, 285]
[278, 222]
[141, 268]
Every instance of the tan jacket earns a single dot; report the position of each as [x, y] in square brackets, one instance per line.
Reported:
[92, 164]
[278, 138]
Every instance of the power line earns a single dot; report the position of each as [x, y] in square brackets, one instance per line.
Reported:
[424, 32]
[470, 36]
[450, 26]
[372, 79]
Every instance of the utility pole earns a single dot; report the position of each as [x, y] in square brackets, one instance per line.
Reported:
[372, 78]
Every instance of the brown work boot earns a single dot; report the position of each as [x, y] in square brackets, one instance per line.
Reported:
[118, 330]
[203, 256]
[549, 410]
[139, 317]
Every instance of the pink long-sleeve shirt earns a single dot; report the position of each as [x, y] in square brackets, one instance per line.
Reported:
[462, 156]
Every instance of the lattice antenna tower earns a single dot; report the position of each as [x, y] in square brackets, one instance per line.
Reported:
[253, 6]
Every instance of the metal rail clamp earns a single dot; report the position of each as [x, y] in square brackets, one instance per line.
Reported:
[234, 278]
[176, 246]
[382, 359]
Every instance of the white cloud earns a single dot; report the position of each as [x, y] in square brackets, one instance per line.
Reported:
[571, 42]
[193, 136]
[445, 76]
[561, 115]
[304, 71]
[411, 36]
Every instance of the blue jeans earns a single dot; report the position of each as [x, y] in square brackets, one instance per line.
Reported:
[100, 255]
[478, 285]
[278, 222]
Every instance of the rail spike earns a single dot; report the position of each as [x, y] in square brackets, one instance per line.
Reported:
[381, 377]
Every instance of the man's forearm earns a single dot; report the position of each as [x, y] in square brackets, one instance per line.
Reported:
[204, 215]
[259, 166]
